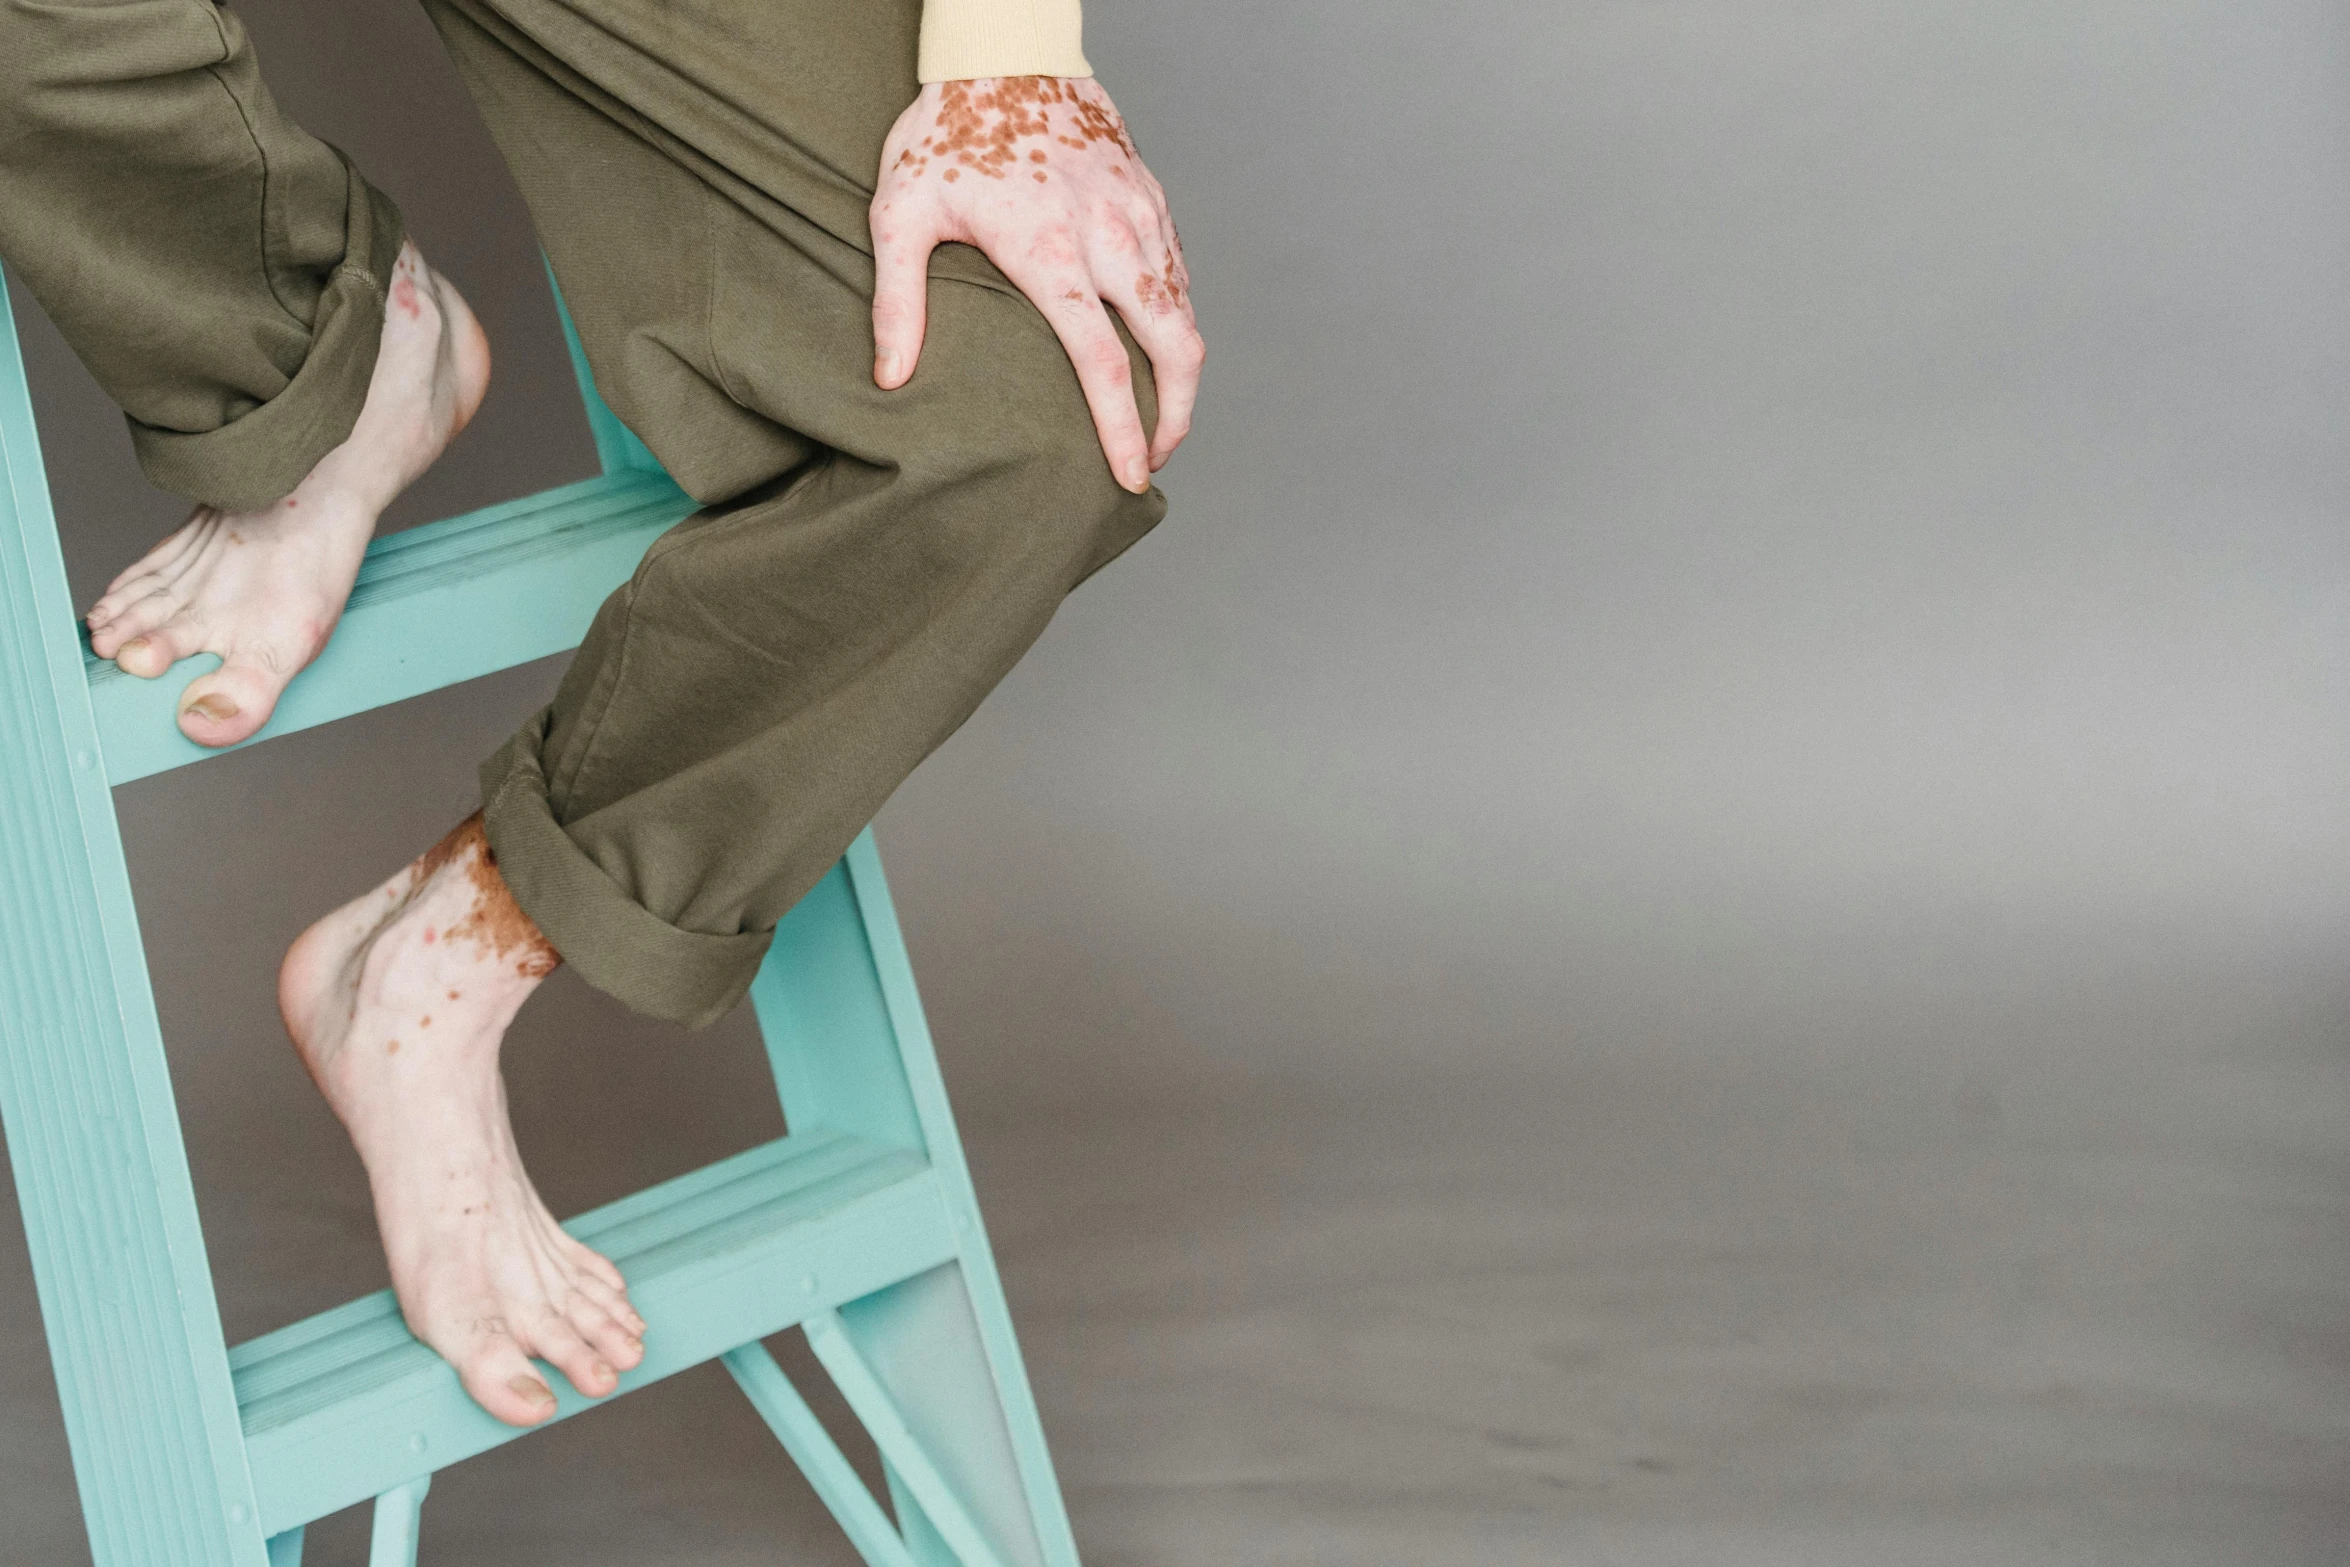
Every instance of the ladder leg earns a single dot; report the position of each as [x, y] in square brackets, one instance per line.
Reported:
[399, 1512]
[912, 1471]
[85, 1091]
[285, 1550]
[811, 1447]
[851, 1053]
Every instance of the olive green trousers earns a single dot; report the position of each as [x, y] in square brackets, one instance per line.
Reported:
[866, 564]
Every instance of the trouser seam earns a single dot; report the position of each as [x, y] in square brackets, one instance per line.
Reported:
[261, 239]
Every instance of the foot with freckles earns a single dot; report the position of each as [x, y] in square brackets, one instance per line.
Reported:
[398, 1003]
[263, 589]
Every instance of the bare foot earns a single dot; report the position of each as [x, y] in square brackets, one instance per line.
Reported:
[263, 589]
[398, 1003]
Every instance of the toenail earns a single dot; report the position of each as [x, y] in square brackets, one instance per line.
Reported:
[217, 708]
[532, 1389]
[130, 647]
[604, 1372]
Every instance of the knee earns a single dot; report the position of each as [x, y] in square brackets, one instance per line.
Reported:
[1020, 432]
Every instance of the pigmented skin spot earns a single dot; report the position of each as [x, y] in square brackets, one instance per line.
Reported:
[496, 922]
[391, 1047]
[980, 124]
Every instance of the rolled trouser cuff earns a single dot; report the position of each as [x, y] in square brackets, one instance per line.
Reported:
[617, 944]
[260, 456]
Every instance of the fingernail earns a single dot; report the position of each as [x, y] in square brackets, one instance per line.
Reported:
[532, 1389]
[886, 367]
[1138, 475]
[217, 708]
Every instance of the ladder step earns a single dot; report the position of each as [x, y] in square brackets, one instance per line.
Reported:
[347, 1404]
[434, 605]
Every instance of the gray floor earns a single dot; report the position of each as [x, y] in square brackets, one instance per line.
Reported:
[1631, 1310]
[1690, 912]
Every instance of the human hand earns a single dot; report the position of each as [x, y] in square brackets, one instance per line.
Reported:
[1039, 174]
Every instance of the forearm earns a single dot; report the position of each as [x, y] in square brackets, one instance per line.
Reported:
[966, 39]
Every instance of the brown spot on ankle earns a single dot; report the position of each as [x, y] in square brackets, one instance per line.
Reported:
[496, 922]
[453, 995]
[391, 1047]
[424, 1021]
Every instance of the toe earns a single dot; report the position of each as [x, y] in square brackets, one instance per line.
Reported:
[595, 1263]
[614, 1303]
[150, 653]
[502, 1380]
[165, 558]
[231, 703]
[557, 1341]
[624, 1350]
[123, 618]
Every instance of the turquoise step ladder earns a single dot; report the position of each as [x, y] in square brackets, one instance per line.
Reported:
[859, 1227]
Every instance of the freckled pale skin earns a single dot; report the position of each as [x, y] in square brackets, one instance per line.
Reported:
[1039, 173]
[264, 589]
[398, 1003]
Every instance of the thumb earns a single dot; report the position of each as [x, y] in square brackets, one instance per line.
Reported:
[901, 282]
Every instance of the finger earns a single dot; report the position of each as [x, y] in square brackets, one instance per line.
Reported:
[1075, 312]
[1159, 316]
[903, 239]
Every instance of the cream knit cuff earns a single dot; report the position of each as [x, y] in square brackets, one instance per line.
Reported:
[962, 39]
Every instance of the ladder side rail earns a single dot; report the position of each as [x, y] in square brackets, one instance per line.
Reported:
[851, 1053]
[85, 1089]
[983, 1308]
[617, 447]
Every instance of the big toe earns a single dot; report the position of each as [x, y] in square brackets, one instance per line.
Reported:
[501, 1379]
[231, 703]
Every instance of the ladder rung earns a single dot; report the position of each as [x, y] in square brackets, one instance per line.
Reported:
[347, 1404]
[434, 605]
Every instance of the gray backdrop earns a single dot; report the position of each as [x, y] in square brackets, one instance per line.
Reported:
[1690, 911]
